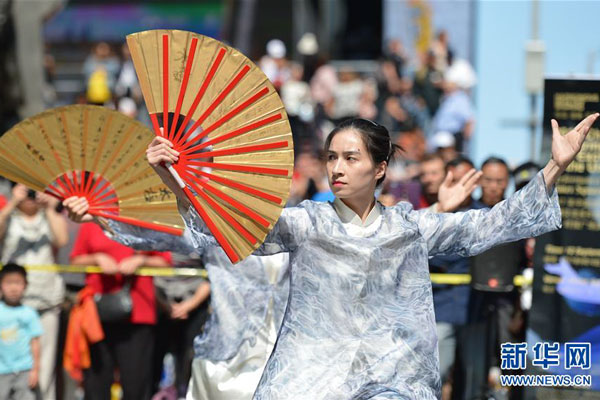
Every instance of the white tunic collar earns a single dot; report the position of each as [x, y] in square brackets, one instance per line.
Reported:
[350, 217]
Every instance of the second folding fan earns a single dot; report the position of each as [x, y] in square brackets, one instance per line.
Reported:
[92, 152]
[229, 125]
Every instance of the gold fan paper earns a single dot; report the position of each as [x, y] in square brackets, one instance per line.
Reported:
[94, 152]
[228, 123]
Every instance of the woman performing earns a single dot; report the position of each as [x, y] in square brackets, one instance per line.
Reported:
[359, 322]
[248, 301]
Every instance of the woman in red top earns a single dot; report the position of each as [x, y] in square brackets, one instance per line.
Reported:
[128, 344]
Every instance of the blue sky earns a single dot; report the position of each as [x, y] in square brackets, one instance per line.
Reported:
[571, 33]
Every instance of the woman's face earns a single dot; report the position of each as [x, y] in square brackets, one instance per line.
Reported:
[350, 169]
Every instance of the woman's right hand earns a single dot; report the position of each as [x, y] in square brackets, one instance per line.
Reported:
[77, 208]
[160, 151]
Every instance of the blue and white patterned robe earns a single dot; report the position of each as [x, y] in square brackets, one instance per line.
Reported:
[359, 322]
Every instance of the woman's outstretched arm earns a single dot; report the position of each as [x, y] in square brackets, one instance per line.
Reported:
[530, 212]
[134, 236]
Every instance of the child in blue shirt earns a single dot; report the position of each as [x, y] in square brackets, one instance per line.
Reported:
[20, 330]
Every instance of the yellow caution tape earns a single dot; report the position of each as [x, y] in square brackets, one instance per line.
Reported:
[465, 279]
[440, 279]
[451, 279]
[143, 271]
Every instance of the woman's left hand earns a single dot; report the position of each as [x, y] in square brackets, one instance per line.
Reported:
[565, 147]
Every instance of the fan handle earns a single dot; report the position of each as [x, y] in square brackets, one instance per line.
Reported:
[175, 175]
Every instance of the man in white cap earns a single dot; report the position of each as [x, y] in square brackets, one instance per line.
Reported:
[128, 107]
[444, 144]
[274, 64]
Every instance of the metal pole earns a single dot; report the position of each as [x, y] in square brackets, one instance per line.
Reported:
[535, 19]
[299, 26]
[533, 127]
[245, 22]
[534, 35]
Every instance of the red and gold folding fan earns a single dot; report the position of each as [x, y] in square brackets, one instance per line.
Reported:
[228, 123]
[93, 152]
